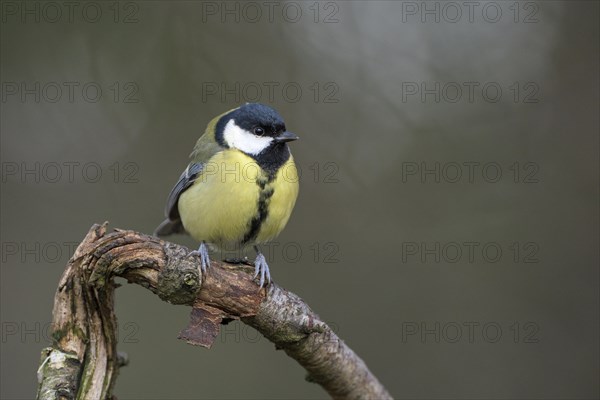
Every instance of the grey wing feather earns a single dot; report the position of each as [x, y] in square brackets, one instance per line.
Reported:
[186, 180]
[173, 222]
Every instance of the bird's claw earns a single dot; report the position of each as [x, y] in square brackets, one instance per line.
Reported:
[262, 268]
[204, 258]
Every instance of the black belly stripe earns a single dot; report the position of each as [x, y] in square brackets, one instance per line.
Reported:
[266, 192]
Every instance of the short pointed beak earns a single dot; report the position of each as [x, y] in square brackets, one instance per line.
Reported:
[286, 137]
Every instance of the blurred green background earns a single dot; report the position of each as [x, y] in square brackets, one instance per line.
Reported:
[447, 224]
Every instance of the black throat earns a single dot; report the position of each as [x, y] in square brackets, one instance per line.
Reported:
[272, 158]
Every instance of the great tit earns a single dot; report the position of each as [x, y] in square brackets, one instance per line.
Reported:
[240, 187]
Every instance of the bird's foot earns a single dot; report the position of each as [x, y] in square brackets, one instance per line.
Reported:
[204, 258]
[261, 268]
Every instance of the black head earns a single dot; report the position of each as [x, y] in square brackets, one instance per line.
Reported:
[254, 116]
[257, 130]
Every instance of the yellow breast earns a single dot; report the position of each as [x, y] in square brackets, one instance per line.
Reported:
[235, 202]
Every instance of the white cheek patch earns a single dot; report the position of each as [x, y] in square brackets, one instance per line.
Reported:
[243, 140]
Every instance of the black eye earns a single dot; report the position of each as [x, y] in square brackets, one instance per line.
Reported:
[259, 131]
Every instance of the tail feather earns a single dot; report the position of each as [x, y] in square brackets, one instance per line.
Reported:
[169, 227]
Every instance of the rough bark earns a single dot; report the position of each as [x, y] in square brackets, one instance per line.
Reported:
[83, 362]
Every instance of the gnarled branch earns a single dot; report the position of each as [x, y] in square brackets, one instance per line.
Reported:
[83, 361]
